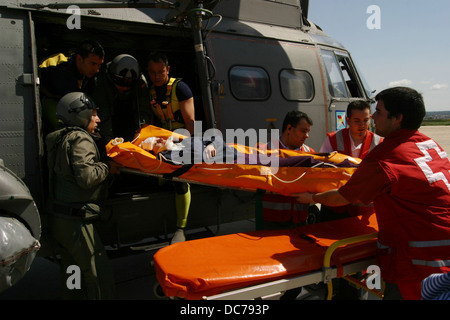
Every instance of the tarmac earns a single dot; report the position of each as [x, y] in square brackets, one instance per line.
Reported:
[133, 270]
[440, 134]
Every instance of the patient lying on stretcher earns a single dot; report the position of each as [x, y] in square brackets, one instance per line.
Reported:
[193, 149]
[196, 150]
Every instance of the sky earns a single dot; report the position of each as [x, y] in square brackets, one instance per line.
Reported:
[405, 42]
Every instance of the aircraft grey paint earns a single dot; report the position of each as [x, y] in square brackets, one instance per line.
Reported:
[248, 63]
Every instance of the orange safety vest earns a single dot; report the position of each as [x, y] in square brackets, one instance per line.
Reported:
[170, 105]
[340, 141]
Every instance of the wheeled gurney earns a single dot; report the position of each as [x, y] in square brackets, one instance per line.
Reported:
[260, 263]
[264, 263]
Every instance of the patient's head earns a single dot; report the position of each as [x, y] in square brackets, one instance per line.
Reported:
[153, 144]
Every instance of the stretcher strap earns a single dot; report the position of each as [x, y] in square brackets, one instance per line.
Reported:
[178, 172]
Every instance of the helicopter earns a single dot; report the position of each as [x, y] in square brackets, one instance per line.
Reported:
[248, 62]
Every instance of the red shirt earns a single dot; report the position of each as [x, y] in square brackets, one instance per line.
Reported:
[407, 177]
[358, 189]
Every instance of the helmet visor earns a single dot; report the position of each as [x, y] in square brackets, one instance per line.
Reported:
[125, 82]
[86, 103]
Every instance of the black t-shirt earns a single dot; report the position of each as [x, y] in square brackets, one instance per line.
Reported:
[63, 78]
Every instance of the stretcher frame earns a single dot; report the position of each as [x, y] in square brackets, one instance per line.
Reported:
[332, 267]
[178, 179]
[274, 289]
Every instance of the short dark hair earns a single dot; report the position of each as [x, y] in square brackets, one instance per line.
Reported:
[357, 105]
[87, 47]
[405, 101]
[293, 118]
[157, 57]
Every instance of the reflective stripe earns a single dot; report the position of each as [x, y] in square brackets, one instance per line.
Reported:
[340, 141]
[382, 246]
[429, 244]
[375, 141]
[436, 263]
[277, 205]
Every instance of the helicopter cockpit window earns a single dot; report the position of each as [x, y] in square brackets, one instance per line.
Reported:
[342, 75]
[249, 83]
[296, 85]
[350, 76]
[336, 83]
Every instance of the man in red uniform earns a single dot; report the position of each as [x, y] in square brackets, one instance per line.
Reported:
[294, 132]
[282, 212]
[407, 178]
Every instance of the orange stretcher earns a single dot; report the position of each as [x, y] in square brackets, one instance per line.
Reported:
[284, 180]
[262, 263]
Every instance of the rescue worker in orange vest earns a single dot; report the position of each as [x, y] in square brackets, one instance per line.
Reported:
[172, 103]
[407, 178]
[280, 212]
[357, 141]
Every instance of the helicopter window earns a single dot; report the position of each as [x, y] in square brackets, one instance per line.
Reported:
[296, 85]
[336, 83]
[249, 83]
[349, 76]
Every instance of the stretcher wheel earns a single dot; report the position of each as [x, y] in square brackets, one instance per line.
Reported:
[313, 215]
[158, 291]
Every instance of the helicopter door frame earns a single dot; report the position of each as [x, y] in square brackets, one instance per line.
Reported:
[23, 146]
[344, 85]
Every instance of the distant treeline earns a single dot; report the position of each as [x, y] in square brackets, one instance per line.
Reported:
[436, 122]
[437, 118]
[438, 115]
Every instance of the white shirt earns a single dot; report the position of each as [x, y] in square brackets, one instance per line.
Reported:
[356, 150]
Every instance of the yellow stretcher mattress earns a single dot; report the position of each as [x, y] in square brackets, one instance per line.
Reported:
[211, 266]
[284, 180]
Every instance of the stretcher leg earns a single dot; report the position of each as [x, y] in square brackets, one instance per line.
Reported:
[329, 253]
[360, 283]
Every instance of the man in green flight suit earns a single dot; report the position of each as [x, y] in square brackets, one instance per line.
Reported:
[79, 184]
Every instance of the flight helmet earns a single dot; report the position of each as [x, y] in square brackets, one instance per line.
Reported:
[124, 70]
[75, 109]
